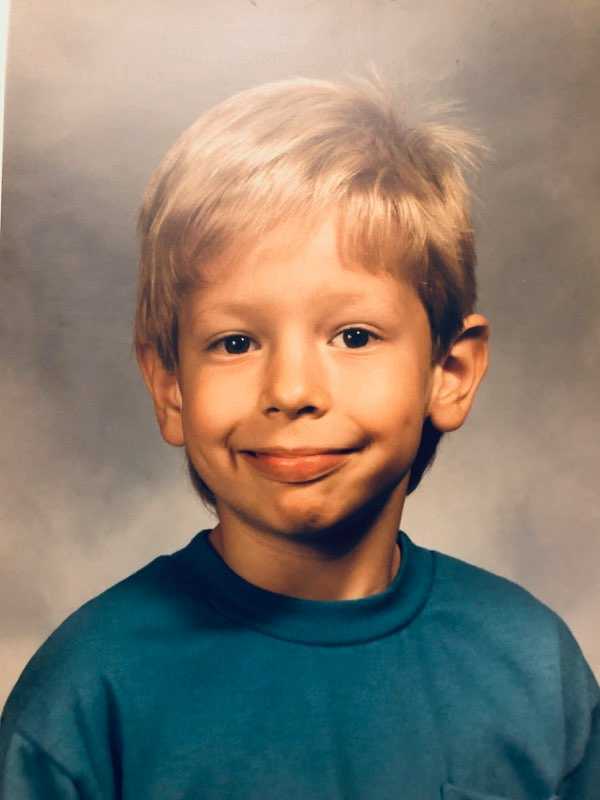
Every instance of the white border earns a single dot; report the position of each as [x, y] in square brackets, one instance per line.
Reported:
[4, 17]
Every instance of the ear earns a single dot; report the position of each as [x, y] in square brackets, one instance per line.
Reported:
[166, 395]
[457, 377]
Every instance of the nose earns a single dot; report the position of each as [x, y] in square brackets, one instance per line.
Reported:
[295, 379]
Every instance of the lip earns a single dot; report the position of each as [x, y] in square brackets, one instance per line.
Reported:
[296, 466]
[299, 451]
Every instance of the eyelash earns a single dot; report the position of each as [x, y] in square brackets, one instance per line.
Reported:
[214, 345]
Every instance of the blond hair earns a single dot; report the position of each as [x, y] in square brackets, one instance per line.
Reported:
[295, 149]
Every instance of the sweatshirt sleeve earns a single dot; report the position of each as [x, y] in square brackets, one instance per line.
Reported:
[29, 773]
[581, 709]
[58, 726]
[583, 783]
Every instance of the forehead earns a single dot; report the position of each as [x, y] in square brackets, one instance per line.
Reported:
[297, 267]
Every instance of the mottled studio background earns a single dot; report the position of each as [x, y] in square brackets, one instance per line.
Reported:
[96, 93]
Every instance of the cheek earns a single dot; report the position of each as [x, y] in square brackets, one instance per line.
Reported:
[211, 408]
[392, 398]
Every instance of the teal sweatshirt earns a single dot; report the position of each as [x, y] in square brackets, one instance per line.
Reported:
[185, 681]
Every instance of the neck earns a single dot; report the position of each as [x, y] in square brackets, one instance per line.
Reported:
[351, 562]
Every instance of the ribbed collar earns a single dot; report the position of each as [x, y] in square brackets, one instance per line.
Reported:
[317, 622]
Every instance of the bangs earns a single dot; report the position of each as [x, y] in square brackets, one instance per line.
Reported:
[380, 227]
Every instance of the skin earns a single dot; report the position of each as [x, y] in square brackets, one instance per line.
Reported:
[297, 381]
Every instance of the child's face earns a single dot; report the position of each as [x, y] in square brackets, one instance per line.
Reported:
[296, 379]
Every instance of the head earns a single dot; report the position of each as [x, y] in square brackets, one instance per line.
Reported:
[281, 197]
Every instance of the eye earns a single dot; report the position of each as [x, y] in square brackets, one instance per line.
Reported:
[237, 340]
[236, 343]
[356, 337]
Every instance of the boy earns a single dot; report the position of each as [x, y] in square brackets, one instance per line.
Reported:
[306, 329]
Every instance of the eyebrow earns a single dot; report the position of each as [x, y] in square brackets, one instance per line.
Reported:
[320, 299]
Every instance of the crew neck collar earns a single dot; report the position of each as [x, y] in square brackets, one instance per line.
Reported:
[317, 622]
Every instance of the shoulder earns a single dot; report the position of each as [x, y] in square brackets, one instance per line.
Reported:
[511, 624]
[84, 656]
[467, 588]
[503, 640]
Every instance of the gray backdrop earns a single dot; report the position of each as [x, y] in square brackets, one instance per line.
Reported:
[96, 93]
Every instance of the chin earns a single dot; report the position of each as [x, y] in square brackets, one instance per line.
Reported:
[313, 520]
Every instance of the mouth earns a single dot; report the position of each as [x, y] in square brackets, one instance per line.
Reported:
[297, 466]
[292, 452]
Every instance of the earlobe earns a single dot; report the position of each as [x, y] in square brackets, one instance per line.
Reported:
[164, 389]
[457, 377]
